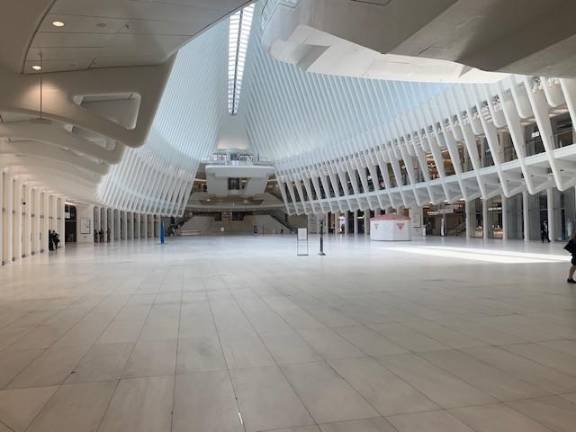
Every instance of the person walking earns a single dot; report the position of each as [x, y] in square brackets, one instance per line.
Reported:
[544, 236]
[571, 248]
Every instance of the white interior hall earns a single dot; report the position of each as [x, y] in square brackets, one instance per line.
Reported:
[287, 216]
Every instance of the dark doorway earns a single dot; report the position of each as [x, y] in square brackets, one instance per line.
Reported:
[70, 225]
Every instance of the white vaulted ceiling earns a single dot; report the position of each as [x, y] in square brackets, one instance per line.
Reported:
[130, 108]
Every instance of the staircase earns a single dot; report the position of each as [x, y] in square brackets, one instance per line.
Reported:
[197, 225]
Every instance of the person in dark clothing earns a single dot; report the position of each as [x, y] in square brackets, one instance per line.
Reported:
[571, 247]
[56, 239]
[544, 232]
[50, 240]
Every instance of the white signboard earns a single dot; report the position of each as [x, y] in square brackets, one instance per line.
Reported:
[85, 226]
[302, 234]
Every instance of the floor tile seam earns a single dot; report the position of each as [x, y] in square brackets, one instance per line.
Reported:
[27, 363]
[401, 379]
[278, 367]
[52, 346]
[78, 323]
[529, 416]
[228, 370]
[9, 325]
[496, 398]
[452, 330]
[391, 342]
[543, 344]
[34, 328]
[286, 322]
[2, 423]
[172, 411]
[445, 347]
[96, 343]
[113, 393]
[485, 363]
[504, 347]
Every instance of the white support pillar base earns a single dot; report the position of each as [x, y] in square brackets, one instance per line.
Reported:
[526, 215]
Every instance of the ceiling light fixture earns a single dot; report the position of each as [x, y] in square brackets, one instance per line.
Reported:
[57, 23]
[37, 67]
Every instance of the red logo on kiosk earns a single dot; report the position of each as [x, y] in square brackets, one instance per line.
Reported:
[400, 226]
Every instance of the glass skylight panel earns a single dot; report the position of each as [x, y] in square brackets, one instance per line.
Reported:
[239, 36]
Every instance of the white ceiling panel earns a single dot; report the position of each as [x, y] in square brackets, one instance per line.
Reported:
[108, 33]
[57, 65]
[77, 40]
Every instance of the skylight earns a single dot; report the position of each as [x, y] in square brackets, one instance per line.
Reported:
[239, 35]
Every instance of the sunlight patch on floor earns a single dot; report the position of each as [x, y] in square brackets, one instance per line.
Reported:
[484, 255]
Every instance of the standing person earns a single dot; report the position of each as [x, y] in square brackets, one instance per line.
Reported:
[571, 247]
[50, 240]
[544, 232]
[56, 238]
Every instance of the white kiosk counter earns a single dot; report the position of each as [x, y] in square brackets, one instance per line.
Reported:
[390, 228]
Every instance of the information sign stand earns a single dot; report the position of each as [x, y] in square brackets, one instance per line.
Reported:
[301, 241]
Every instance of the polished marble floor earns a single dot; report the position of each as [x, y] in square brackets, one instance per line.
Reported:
[233, 334]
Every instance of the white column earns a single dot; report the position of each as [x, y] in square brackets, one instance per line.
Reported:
[346, 222]
[157, 230]
[132, 225]
[138, 226]
[37, 222]
[505, 233]
[355, 216]
[1, 217]
[62, 221]
[17, 221]
[46, 221]
[366, 223]
[9, 229]
[106, 224]
[526, 215]
[111, 224]
[485, 219]
[96, 222]
[54, 211]
[551, 214]
[124, 225]
[2, 213]
[145, 226]
[336, 222]
[28, 209]
[469, 218]
[118, 224]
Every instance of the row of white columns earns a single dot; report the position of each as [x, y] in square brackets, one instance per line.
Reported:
[28, 213]
[122, 225]
[526, 216]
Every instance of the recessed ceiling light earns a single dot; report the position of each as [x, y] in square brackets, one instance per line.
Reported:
[37, 67]
[57, 23]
